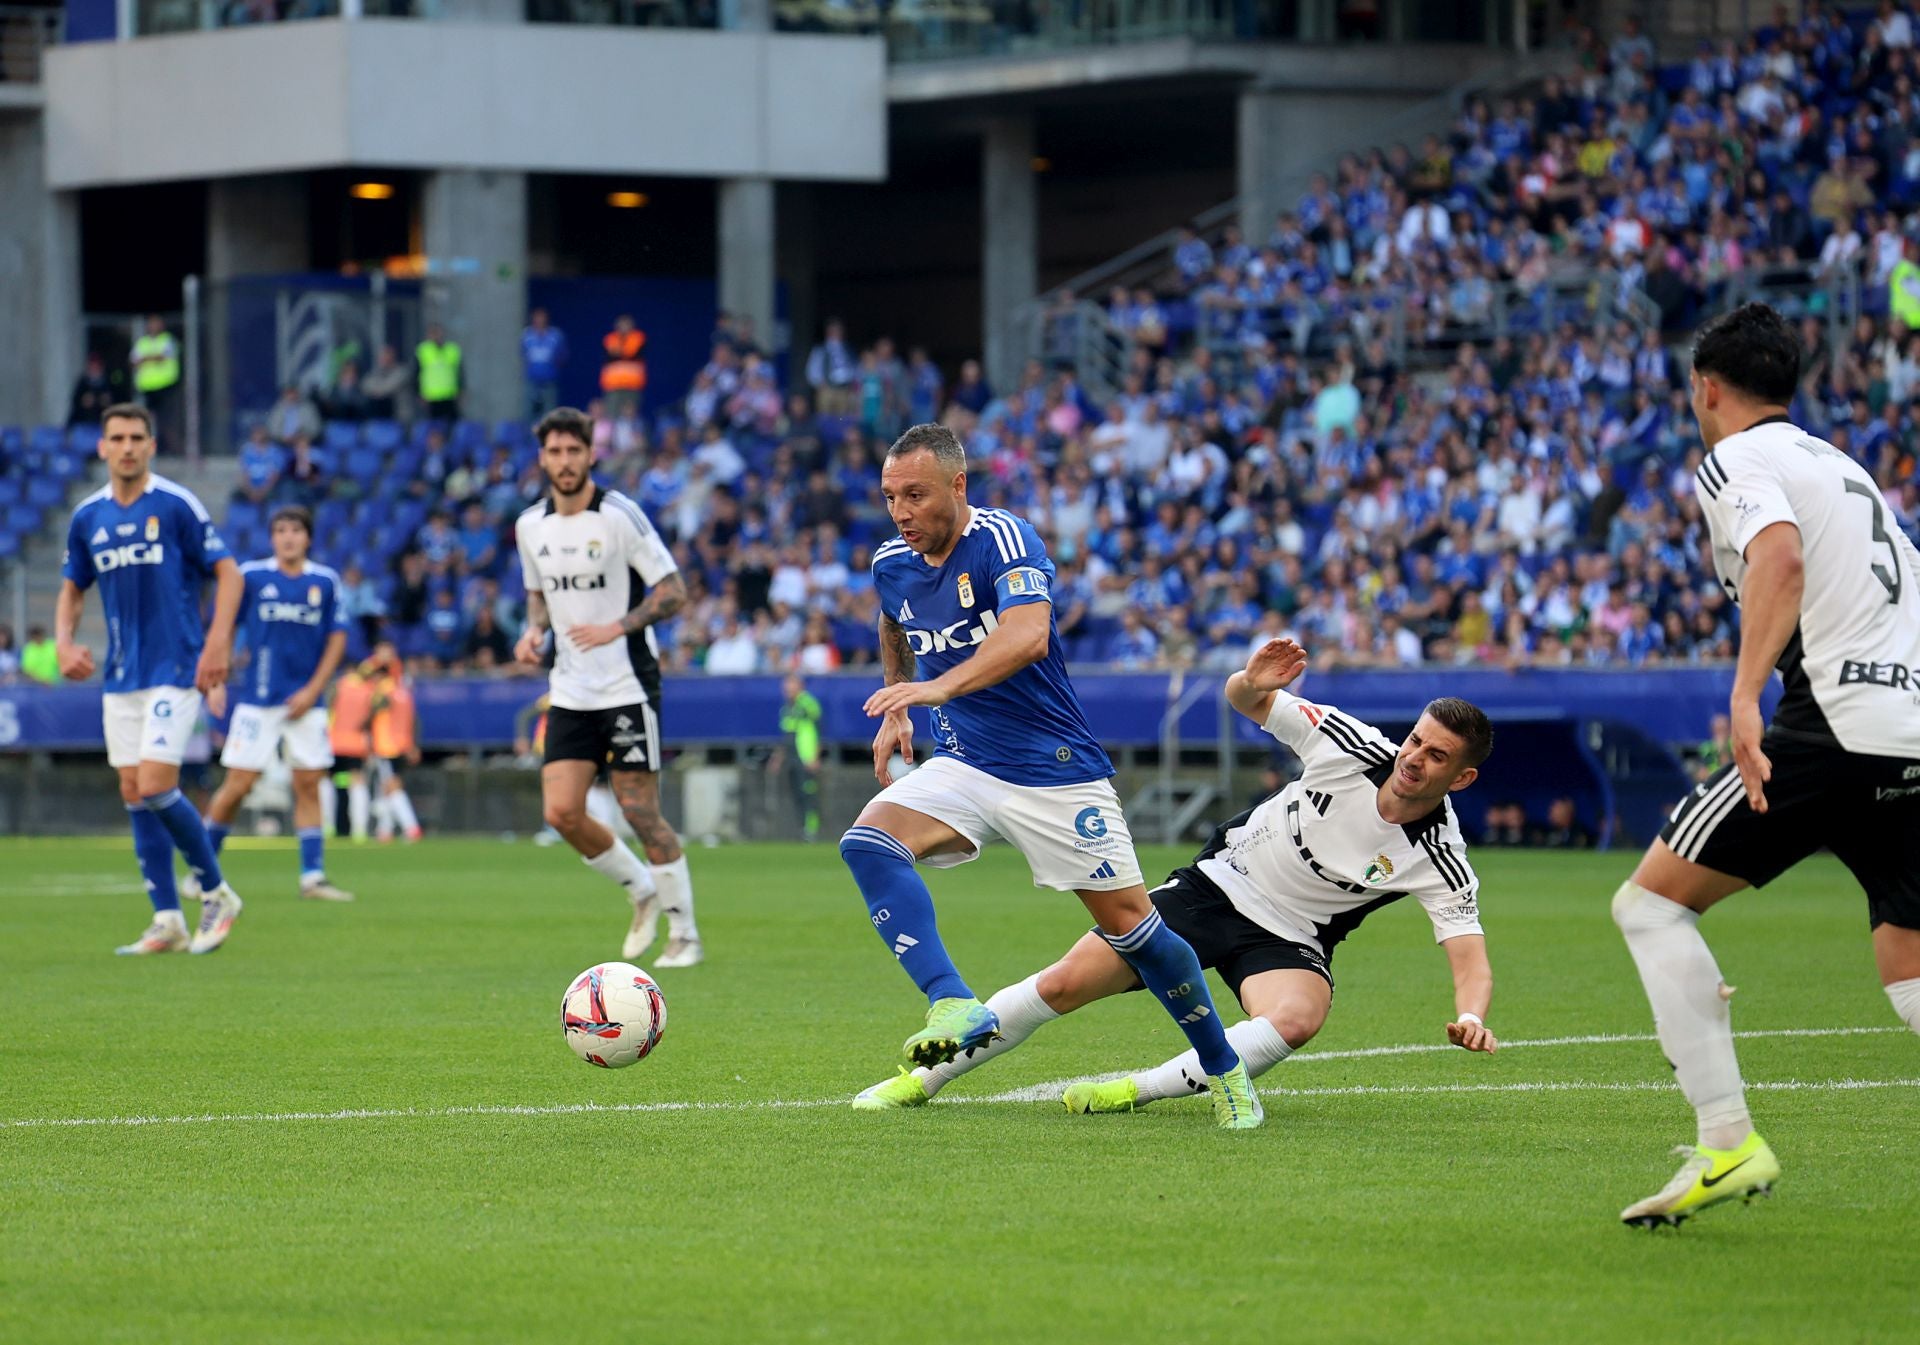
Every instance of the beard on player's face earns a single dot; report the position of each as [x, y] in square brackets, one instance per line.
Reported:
[568, 481]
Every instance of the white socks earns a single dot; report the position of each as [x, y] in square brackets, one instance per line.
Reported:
[1022, 1013]
[623, 867]
[676, 899]
[1690, 1011]
[402, 808]
[1906, 1001]
[1261, 1047]
[359, 810]
[603, 808]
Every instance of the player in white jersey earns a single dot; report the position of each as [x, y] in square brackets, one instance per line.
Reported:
[1826, 582]
[598, 578]
[1275, 889]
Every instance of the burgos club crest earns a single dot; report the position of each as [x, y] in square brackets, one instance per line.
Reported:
[1379, 871]
[966, 590]
[593, 549]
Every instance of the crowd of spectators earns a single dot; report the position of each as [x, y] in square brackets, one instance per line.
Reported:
[1268, 464]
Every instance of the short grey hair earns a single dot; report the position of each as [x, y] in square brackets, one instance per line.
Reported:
[935, 439]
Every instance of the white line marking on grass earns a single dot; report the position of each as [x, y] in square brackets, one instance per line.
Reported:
[1602, 1039]
[1040, 1092]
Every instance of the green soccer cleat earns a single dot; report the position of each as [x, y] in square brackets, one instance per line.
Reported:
[1235, 1105]
[953, 1025]
[902, 1090]
[1084, 1099]
[1709, 1177]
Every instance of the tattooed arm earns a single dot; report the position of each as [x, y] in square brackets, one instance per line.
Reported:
[896, 654]
[662, 601]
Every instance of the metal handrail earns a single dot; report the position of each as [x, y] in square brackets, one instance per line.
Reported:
[25, 34]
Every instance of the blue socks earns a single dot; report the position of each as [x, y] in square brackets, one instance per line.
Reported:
[312, 843]
[183, 824]
[217, 835]
[902, 911]
[1166, 963]
[153, 848]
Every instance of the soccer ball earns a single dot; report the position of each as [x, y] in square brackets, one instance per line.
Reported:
[613, 1014]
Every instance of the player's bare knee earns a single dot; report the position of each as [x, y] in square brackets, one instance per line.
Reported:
[1062, 988]
[130, 789]
[1297, 1024]
[565, 818]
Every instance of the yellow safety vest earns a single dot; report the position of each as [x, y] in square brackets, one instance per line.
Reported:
[439, 370]
[1903, 293]
[162, 368]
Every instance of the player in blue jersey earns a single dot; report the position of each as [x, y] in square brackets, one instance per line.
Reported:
[965, 607]
[295, 628]
[150, 547]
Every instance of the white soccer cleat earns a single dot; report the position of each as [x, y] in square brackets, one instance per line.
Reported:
[162, 936]
[322, 890]
[646, 923]
[218, 910]
[681, 953]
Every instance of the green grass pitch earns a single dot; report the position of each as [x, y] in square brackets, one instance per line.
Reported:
[1404, 1196]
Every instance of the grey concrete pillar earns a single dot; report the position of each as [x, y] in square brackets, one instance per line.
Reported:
[799, 268]
[39, 279]
[475, 229]
[256, 226]
[1285, 136]
[1009, 244]
[747, 252]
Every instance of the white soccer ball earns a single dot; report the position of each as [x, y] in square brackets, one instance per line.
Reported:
[613, 1014]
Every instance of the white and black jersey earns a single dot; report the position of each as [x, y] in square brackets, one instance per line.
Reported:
[1314, 860]
[1852, 668]
[594, 567]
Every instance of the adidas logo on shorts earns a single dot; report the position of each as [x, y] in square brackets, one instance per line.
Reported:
[1106, 870]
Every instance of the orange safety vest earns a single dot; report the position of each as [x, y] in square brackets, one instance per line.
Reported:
[393, 719]
[624, 370]
[352, 714]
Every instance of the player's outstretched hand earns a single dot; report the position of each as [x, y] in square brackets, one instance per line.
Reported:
[584, 638]
[300, 702]
[1755, 770]
[902, 696]
[895, 735]
[1275, 665]
[76, 662]
[1472, 1037]
[527, 648]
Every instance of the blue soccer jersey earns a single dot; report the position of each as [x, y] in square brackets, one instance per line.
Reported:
[286, 621]
[150, 559]
[1027, 730]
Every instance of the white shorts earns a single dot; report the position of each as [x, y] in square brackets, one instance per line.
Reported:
[258, 730]
[150, 725]
[1074, 837]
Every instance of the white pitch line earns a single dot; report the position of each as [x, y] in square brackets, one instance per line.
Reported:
[1042, 1092]
[1603, 1039]
[1039, 1092]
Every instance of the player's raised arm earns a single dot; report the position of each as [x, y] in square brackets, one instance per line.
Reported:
[1272, 667]
[76, 660]
[1472, 993]
[1770, 600]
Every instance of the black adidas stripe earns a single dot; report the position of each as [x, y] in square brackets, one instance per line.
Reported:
[1343, 734]
[1712, 477]
[1444, 860]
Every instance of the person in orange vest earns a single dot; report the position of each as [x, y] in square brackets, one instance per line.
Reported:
[623, 374]
[350, 731]
[394, 740]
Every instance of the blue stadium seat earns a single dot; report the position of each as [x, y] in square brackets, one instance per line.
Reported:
[13, 441]
[513, 433]
[46, 439]
[339, 436]
[363, 464]
[46, 491]
[243, 515]
[9, 545]
[382, 434]
[83, 440]
[22, 518]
